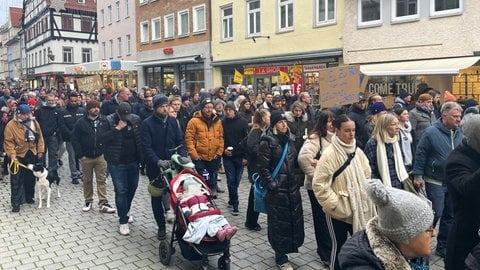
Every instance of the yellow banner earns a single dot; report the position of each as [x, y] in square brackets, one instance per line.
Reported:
[284, 78]
[237, 77]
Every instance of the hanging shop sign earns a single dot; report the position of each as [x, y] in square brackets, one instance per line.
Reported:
[275, 70]
[314, 67]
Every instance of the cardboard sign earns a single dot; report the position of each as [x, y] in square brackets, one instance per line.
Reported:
[89, 83]
[340, 85]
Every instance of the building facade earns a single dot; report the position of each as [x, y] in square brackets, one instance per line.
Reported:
[266, 39]
[173, 44]
[11, 58]
[57, 34]
[401, 44]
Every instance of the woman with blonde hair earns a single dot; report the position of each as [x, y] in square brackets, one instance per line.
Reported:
[384, 152]
[261, 120]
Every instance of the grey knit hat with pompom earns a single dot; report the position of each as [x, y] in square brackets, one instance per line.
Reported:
[401, 215]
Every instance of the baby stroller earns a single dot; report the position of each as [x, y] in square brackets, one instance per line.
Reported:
[209, 246]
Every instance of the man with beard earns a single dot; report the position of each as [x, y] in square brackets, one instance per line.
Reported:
[159, 134]
[422, 116]
[71, 114]
[88, 146]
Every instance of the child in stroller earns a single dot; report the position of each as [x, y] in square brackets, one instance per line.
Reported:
[204, 218]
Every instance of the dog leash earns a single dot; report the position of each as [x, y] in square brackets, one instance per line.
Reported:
[14, 166]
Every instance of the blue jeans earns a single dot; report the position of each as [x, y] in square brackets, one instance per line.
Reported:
[212, 168]
[125, 181]
[233, 171]
[443, 211]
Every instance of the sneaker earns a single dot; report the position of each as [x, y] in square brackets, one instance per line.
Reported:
[229, 205]
[170, 217]
[231, 231]
[130, 219]
[107, 208]
[124, 229]
[161, 233]
[285, 266]
[255, 227]
[75, 181]
[16, 209]
[441, 252]
[235, 211]
[87, 207]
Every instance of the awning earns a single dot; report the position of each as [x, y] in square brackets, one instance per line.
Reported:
[189, 59]
[420, 67]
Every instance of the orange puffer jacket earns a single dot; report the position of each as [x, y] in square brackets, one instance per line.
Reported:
[204, 141]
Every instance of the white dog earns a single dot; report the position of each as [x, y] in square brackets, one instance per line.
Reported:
[43, 184]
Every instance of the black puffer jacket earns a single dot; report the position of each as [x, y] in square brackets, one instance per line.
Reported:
[86, 137]
[284, 204]
[70, 115]
[113, 138]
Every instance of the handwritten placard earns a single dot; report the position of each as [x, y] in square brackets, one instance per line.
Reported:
[89, 83]
[340, 85]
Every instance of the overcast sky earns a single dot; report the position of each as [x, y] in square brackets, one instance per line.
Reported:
[4, 5]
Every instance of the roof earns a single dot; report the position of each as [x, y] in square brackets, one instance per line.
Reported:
[16, 16]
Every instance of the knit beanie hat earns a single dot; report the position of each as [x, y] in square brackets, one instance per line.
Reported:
[230, 105]
[92, 104]
[377, 107]
[276, 116]
[218, 101]
[448, 96]
[204, 102]
[160, 101]
[402, 215]
[403, 94]
[470, 103]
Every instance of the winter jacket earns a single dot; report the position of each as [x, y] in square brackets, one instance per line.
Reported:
[70, 116]
[50, 119]
[204, 138]
[433, 150]
[109, 106]
[15, 143]
[310, 150]
[114, 148]
[400, 103]
[234, 130]
[420, 118]
[360, 118]
[299, 126]
[253, 142]
[369, 249]
[463, 182]
[158, 137]
[284, 203]
[87, 137]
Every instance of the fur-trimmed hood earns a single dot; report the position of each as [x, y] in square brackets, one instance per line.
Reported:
[291, 118]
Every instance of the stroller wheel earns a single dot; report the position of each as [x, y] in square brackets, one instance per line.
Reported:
[165, 252]
[223, 264]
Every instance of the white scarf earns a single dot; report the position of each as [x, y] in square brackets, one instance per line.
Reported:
[382, 162]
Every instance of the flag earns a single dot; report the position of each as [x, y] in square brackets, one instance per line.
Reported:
[237, 77]
[284, 78]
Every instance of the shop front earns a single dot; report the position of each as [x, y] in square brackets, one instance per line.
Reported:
[460, 76]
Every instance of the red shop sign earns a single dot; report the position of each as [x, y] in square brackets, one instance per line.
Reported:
[271, 70]
[168, 50]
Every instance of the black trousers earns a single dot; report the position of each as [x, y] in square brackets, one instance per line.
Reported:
[22, 184]
[338, 231]
[322, 236]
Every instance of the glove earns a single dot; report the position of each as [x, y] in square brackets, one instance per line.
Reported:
[272, 186]
[163, 164]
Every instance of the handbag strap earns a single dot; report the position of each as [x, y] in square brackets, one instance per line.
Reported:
[345, 165]
[284, 154]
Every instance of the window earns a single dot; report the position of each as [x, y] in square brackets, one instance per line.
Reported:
[404, 10]
[117, 8]
[128, 41]
[446, 7]
[119, 47]
[325, 12]
[45, 56]
[227, 23]
[169, 29]
[109, 14]
[67, 21]
[253, 20]
[144, 32]
[110, 42]
[156, 29]
[102, 18]
[285, 12]
[67, 55]
[86, 24]
[81, 1]
[127, 8]
[40, 58]
[104, 50]
[86, 55]
[199, 18]
[370, 12]
[183, 23]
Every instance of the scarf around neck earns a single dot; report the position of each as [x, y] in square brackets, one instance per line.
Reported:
[383, 163]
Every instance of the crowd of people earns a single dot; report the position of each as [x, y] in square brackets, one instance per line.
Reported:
[380, 178]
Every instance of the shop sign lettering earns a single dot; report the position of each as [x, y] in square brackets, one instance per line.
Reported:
[386, 88]
[271, 70]
[314, 67]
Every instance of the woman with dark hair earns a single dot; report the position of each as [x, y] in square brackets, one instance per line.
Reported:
[384, 153]
[261, 120]
[246, 111]
[318, 140]
[283, 200]
[339, 184]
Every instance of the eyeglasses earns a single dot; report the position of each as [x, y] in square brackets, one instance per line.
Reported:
[430, 230]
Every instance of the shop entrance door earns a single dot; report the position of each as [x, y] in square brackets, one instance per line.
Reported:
[263, 83]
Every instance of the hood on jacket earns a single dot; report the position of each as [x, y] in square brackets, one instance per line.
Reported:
[291, 118]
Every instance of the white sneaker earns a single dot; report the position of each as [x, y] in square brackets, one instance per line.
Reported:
[124, 229]
[170, 217]
[285, 266]
[87, 207]
[130, 219]
[107, 208]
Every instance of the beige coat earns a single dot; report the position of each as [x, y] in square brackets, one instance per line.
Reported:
[308, 152]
